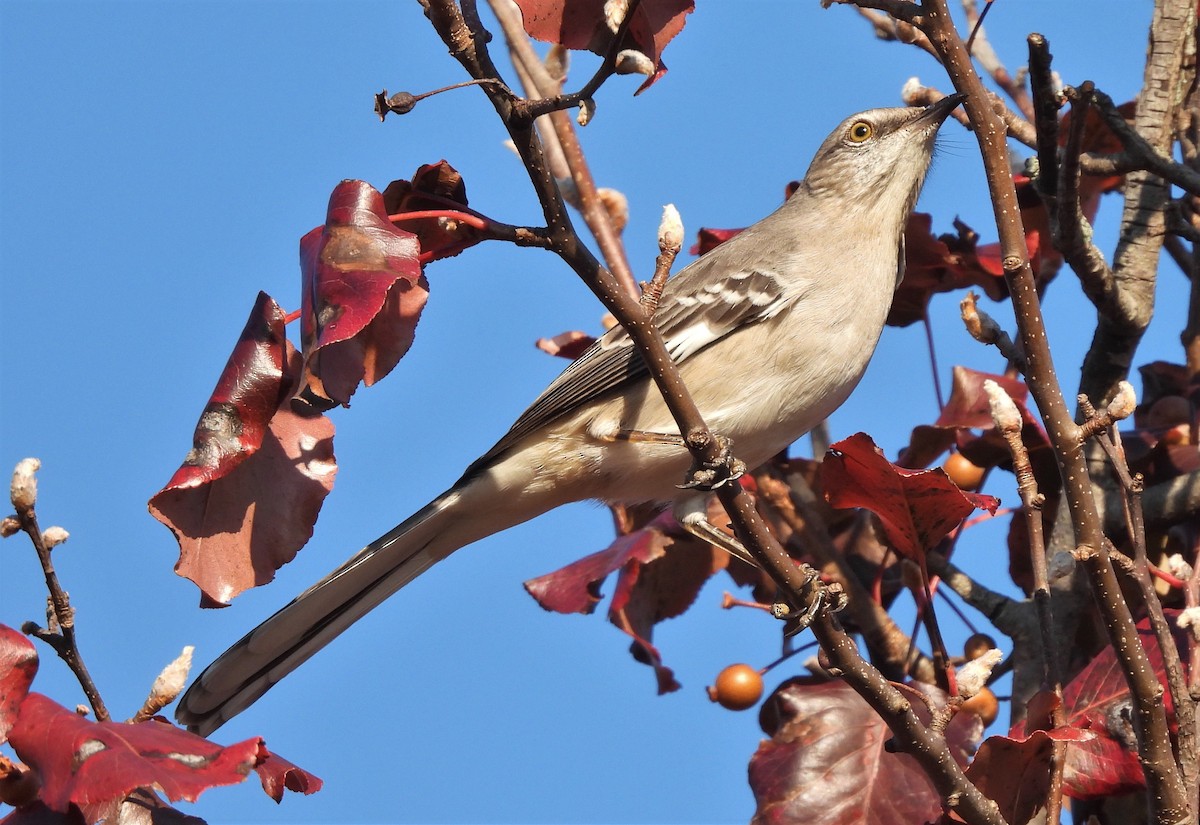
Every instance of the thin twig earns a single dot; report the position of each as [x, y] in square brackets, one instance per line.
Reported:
[979, 46]
[1140, 150]
[536, 107]
[1072, 232]
[1009, 424]
[1185, 707]
[595, 215]
[1163, 778]
[61, 634]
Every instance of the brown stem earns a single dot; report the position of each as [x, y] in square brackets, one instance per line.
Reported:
[1072, 232]
[1164, 781]
[61, 638]
[1123, 319]
[1008, 422]
[595, 214]
[1185, 706]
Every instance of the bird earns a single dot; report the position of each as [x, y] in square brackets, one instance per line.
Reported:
[770, 330]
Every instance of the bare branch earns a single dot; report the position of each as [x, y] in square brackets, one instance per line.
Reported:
[541, 85]
[60, 635]
[1124, 318]
[1163, 777]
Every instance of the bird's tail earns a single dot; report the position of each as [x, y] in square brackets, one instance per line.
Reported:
[314, 618]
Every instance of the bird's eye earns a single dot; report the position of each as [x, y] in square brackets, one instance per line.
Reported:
[860, 131]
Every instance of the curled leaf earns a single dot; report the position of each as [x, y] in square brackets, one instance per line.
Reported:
[248, 493]
[363, 295]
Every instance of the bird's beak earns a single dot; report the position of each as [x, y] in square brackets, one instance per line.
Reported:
[937, 112]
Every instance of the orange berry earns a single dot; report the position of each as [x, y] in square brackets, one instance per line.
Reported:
[738, 687]
[966, 475]
[983, 704]
[976, 645]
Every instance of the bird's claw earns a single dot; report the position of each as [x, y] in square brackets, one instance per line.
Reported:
[711, 475]
[830, 598]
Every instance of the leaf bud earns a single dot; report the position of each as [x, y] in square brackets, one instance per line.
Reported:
[587, 108]
[614, 13]
[972, 677]
[1178, 567]
[670, 229]
[23, 490]
[9, 527]
[631, 61]
[170, 682]
[1121, 407]
[616, 205]
[54, 536]
[912, 92]
[1189, 618]
[1004, 411]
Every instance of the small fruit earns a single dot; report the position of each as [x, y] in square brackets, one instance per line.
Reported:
[976, 645]
[965, 474]
[738, 687]
[983, 704]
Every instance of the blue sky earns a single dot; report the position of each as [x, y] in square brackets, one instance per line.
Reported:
[159, 163]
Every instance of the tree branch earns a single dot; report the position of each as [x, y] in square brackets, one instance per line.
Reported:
[60, 635]
[1124, 317]
[1165, 783]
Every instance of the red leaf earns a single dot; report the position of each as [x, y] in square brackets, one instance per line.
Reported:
[917, 508]
[827, 762]
[247, 495]
[237, 531]
[18, 666]
[278, 774]
[363, 295]
[250, 388]
[709, 239]
[932, 266]
[581, 24]
[434, 186]
[662, 569]
[1015, 773]
[87, 763]
[660, 589]
[1098, 700]
[576, 587]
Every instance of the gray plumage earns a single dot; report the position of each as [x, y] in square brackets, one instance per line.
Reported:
[771, 331]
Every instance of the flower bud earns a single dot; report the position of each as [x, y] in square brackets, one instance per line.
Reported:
[1004, 411]
[23, 490]
[670, 229]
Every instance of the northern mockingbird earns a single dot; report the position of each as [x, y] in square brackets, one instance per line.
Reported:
[771, 331]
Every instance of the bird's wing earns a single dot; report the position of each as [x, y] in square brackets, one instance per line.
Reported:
[689, 319]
